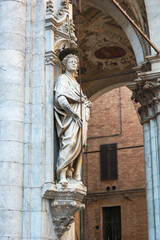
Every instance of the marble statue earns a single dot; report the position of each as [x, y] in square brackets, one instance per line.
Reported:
[72, 111]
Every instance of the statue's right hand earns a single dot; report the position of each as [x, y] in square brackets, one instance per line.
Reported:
[77, 119]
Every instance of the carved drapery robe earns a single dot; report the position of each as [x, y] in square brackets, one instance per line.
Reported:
[72, 137]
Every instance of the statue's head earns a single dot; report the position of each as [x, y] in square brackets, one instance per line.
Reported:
[70, 60]
[70, 63]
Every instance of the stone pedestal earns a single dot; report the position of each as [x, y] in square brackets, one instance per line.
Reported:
[65, 202]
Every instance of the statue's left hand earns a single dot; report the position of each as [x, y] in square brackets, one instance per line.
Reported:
[88, 104]
[77, 119]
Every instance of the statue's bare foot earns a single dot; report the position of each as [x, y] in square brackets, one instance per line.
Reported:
[63, 182]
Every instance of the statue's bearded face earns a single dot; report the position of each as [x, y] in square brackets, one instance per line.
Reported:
[72, 64]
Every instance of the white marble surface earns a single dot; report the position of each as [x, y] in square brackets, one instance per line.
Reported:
[12, 65]
[37, 218]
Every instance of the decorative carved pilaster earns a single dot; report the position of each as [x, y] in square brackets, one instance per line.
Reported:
[72, 34]
[62, 26]
[49, 7]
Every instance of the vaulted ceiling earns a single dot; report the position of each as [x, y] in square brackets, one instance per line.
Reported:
[107, 56]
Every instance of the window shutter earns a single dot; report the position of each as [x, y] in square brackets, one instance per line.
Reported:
[108, 161]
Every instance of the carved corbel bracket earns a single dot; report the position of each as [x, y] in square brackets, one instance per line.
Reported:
[65, 202]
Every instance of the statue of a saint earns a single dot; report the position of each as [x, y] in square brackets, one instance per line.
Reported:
[72, 111]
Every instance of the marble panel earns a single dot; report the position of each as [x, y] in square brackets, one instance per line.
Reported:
[9, 41]
[28, 118]
[11, 174]
[11, 111]
[14, 8]
[39, 10]
[38, 95]
[38, 29]
[47, 227]
[10, 224]
[12, 58]
[36, 199]
[26, 225]
[38, 62]
[27, 177]
[38, 45]
[12, 75]
[12, 151]
[27, 199]
[36, 224]
[27, 94]
[27, 153]
[38, 79]
[28, 45]
[12, 24]
[36, 115]
[37, 150]
[11, 130]
[13, 92]
[27, 133]
[11, 198]
[37, 135]
[36, 178]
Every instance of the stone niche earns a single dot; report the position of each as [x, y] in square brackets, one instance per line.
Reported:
[64, 203]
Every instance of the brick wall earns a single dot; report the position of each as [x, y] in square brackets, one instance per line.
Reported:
[114, 120]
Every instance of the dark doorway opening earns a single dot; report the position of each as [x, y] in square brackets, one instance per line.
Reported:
[111, 223]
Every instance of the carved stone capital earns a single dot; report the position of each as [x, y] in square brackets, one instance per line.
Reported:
[148, 95]
[65, 202]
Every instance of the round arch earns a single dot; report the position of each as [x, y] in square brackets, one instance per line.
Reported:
[100, 86]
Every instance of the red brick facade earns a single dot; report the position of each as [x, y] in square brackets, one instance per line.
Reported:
[114, 120]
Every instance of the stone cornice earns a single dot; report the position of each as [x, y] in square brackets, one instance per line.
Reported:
[148, 76]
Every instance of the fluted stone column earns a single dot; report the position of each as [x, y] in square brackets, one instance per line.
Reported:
[12, 65]
[146, 91]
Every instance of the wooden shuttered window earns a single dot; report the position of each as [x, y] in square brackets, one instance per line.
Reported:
[108, 161]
